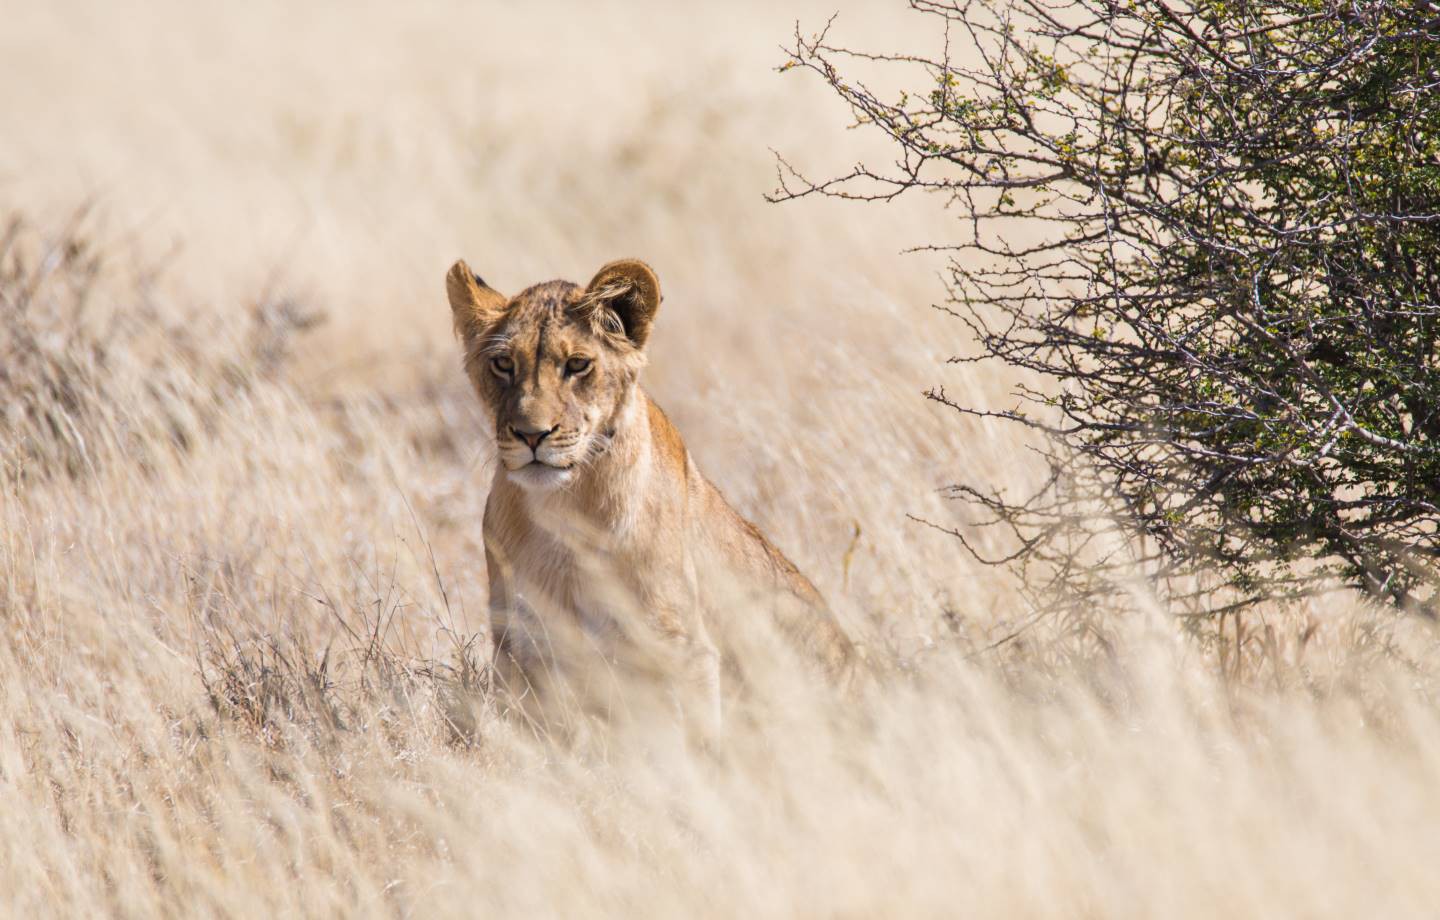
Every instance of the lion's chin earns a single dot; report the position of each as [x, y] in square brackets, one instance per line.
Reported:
[540, 477]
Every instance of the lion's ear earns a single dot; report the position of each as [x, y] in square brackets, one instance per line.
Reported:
[475, 304]
[627, 293]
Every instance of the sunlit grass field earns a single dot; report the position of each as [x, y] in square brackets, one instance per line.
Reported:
[242, 587]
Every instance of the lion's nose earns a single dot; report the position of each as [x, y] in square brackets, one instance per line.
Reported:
[531, 437]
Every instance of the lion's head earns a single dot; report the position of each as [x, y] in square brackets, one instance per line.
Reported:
[556, 364]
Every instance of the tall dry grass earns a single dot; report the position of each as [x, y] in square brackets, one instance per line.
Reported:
[241, 585]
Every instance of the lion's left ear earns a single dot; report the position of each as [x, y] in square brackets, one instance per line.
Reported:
[624, 293]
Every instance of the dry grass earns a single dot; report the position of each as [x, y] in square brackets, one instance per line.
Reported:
[241, 587]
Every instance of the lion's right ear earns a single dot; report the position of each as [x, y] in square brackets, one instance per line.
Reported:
[476, 306]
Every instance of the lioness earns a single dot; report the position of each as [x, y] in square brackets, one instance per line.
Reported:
[597, 511]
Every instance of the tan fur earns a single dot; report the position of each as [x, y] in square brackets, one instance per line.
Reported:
[604, 528]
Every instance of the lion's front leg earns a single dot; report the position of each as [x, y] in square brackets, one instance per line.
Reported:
[687, 669]
[702, 681]
[514, 655]
[514, 659]
[695, 658]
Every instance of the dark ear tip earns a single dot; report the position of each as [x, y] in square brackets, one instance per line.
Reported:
[461, 270]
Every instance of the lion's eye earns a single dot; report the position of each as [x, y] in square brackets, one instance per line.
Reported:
[577, 366]
[502, 365]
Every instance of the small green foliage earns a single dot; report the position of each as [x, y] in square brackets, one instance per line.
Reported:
[1240, 298]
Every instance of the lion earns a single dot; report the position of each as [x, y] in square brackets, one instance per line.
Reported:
[599, 524]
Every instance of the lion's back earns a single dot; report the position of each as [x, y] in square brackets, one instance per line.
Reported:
[744, 565]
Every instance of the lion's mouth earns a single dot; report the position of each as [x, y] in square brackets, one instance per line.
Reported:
[539, 476]
[546, 466]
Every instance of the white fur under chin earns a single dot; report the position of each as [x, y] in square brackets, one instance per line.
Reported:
[537, 477]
